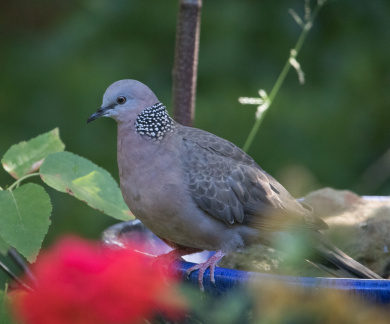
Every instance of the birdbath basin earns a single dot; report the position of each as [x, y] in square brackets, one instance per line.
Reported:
[377, 291]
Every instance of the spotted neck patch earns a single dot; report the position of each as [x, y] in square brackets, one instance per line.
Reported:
[154, 122]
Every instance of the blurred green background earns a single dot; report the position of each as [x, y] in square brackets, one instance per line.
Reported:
[58, 57]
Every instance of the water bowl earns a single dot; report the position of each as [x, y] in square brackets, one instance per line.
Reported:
[377, 291]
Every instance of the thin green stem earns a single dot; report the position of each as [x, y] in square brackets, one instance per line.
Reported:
[17, 182]
[287, 66]
[253, 133]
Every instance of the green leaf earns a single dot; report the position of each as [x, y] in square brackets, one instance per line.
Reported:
[79, 177]
[26, 157]
[5, 312]
[25, 218]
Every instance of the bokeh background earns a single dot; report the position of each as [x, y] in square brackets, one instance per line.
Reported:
[58, 57]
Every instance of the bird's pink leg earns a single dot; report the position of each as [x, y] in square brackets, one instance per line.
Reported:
[210, 263]
[180, 251]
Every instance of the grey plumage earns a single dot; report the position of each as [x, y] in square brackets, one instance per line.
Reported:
[198, 191]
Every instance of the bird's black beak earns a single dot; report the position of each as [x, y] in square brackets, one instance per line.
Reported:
[99, 113]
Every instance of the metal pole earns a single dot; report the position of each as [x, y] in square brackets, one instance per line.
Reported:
[186, 61]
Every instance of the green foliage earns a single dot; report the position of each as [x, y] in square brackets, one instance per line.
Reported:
[5, 316]
[25, 218]
[26, 157]
[25, 209]
[231, 308]
[77, 176]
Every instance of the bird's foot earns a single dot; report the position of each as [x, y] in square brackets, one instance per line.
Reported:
[202, 267]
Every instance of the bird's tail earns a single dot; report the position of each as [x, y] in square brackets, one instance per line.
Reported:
[331, 259]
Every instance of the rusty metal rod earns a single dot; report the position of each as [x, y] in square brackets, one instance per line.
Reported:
[186, 61]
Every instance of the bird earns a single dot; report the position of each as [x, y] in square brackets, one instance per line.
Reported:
[197, 191]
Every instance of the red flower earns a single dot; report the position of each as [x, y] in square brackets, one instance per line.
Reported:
[81, 282]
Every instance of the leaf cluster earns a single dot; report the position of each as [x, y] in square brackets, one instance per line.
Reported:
[25, 209]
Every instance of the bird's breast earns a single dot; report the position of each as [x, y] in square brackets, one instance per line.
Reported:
[150, 179]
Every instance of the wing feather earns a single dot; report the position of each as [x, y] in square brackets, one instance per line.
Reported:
[228, 184]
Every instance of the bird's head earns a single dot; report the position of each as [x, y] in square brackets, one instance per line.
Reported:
[125, 99]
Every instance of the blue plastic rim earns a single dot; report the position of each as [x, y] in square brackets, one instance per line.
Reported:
[376, 291]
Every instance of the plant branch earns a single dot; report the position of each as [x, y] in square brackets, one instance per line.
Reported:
[291, 61]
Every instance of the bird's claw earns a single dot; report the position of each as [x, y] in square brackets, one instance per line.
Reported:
[202, 267]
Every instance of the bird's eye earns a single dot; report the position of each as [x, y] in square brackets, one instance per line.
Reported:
[121, 100]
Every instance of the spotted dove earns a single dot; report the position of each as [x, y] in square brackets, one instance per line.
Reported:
[197, 191]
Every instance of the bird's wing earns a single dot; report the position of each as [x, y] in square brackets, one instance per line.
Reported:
[227, 183]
